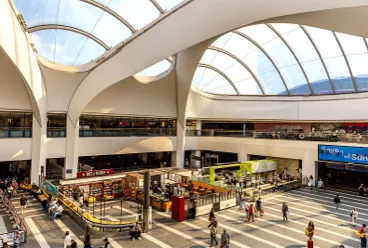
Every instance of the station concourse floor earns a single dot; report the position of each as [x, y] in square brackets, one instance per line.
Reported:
[333, 228]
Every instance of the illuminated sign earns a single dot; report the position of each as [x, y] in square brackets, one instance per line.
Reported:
[345, 154]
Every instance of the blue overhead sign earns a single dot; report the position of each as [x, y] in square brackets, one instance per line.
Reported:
[345, 154]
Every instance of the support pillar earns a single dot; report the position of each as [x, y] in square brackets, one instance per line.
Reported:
[146, 202]
[180, 144]
[38, 150]
[71, 155]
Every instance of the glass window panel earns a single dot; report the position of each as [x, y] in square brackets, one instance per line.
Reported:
[352, 44]
[239, 46]
[38, 12]
[222, 61]
[207, 78]
[358, 64]
[248, 87]
[28, 118]
[78, 14]
[4, 119]
[208, 56]
[284, 28]
[339, 74]
[280, 53]
[258, 62]
[68, 46]
[221, 86]
[138, 13]
[44, 41]
[220, 42]
[89, 52]
[198, 76]
[237, 72]
[110, 30]
[318, 78]
[168, 4]
[156, 69]
[272, 83]
[259, 33]
[325, 42]
[295, 80]
[301, 45]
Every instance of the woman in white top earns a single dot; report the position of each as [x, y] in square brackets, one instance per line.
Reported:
[68, 239]
[354, 216]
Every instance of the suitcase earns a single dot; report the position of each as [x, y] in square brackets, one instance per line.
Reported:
[310, 244]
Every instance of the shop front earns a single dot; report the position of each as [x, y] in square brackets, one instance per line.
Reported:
[342, 165]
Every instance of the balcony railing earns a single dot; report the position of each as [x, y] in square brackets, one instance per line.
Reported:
[55, 132]
[325, 136]
[127, 132]
[15, 132]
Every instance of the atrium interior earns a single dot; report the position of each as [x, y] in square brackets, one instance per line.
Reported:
[123, 113]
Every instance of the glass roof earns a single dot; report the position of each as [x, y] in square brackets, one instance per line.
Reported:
[75, 32]
[283, 59]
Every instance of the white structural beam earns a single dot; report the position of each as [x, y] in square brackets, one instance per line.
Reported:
[71, 29]
[176, 31]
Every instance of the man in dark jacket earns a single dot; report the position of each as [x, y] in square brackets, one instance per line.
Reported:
[337, 201]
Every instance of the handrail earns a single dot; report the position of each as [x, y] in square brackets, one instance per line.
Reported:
[329, 136]
[8, 204]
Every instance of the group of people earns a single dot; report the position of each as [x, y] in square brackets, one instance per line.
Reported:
[251, 210]
[225, 237]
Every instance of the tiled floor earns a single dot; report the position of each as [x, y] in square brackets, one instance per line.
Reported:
[332, 227]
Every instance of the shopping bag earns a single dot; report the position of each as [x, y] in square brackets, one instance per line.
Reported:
[359, 234]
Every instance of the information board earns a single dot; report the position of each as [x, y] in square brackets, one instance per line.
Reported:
[345, 154]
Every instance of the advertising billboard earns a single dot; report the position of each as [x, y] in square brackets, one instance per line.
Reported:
[344, 154]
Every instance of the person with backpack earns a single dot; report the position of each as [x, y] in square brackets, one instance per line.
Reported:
[284, 210]
[225, 240]
[23, 203]
[213, 234]
[361, 234]
[337, 202]
[354, 216]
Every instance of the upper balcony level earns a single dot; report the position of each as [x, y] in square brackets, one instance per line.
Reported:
[323, 136]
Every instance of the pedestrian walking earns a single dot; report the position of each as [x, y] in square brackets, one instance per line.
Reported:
[251, 213]
[68, 239]
[241, 201]
[337, 202]
[354, 216]
[225, 240]
[213, 234]
[107, 243]
[23, 203]
[309, 232]
[311, 182]
[87, 239]
[361, 190]
[284, 210]
[259, 207]
[361, 234]
[211, 215]
[74, 244]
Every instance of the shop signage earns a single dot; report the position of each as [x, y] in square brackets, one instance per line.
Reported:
[345, 154]
[51, 187]
[95, 173]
